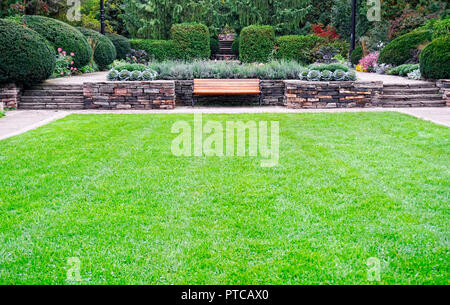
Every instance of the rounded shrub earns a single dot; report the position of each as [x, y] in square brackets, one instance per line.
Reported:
[402, 48]
[235, 46]
[441, 28]
[61, 35]
[256, 43]
[104, 50]
[191, 40]
[435, 59]
[214, 44]
[297, 47]
[160, 50]
[356, 55]
[122, 45]
[25, 56]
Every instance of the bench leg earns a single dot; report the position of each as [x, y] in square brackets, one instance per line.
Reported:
[193, 100]
[260, 99]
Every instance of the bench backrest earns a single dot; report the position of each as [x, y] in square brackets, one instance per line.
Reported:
[226, 86]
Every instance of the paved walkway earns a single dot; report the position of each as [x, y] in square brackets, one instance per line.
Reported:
[20, 121]
[101, 77]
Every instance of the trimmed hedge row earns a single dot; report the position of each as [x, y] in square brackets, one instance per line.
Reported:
[104, 50]
[25, 56]
[435, 59]
[400, 50]
[61, 35]
[192, 40]
[122, 45]
[161, 50]
[297, 47]
[256, 43]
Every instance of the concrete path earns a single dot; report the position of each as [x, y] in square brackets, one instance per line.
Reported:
[20, 121]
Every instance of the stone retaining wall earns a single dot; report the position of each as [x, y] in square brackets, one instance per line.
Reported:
[10, 96]
[444, 85]
[272, 94]
[303, 94]
[129, 95]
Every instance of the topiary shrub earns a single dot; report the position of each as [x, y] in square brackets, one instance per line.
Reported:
[104, 50]
[235, 46]
[61, 35]
[160, 50]
[256, 43]
[25, 56]
[435, 59]
[214, 44]
[191, 40]
[401, 49]
[356, 55]
[441, 28]
[122, 45]
[297, 47]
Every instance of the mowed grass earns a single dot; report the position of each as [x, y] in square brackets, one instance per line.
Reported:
[108, 190]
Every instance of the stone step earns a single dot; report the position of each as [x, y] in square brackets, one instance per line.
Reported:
[52, 92]
[406, 91]
[410, 86]
[414, 104]
[61, 99]
[51, 106]
[423, 97]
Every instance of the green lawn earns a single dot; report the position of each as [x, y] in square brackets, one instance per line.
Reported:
[107, 189]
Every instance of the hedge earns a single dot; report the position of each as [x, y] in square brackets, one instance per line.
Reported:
[356, 55]
[26, 57]
[104, 50]
[191, 40]
[401, 49]
[161, 50]
[435, 59]
[235, 46]
[122, 44]
[297, 47]
[214, 44]
[61, 35]
[256, 43]
[441, 28]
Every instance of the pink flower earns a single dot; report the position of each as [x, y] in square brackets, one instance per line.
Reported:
[64, 52]
[71, 68]
[72, 54]
[75, 69]
[59, 50]
[62, 73]
[72, 63]
[369, 61]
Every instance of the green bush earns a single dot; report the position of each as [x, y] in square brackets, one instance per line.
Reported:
[122, 44]
[329, 67]
[191, 41]
[297, 47]
[235, 46]
[104, 50]
[25, 56]
[356, 55]
[341, 45]
[256, 43]
[131, 67]
[403, 70]
[435, 59]
[160, 49]
[401, 49]
[441, 28]
[61, 35]
[214, 44]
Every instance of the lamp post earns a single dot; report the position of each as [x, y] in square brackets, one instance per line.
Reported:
[102, 17]
[353, 35]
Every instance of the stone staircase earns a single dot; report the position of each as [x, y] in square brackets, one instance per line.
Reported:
[225, 50]
[52, 97]
[411, 95]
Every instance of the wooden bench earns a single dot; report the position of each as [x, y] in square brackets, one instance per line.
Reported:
[226, 87]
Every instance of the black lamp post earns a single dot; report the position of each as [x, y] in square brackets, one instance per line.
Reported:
[102, 17]
[353, 35]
